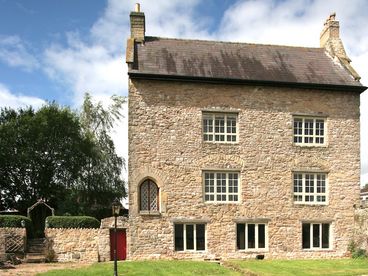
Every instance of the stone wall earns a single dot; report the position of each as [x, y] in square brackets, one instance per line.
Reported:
[361, 227]
[83, 245]
[165, 144]
[72, 245]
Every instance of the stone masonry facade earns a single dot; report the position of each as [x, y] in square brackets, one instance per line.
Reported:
[166, 145]
[241, 150]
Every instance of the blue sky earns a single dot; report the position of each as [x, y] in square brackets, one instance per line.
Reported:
[57, 50]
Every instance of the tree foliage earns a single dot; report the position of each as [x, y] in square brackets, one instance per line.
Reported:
[64, 157]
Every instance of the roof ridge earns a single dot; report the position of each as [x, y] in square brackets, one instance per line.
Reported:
[228, 42]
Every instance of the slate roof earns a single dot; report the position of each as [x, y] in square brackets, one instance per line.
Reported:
[206, 60]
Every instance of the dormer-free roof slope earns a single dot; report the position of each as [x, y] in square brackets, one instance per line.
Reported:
[216, 61]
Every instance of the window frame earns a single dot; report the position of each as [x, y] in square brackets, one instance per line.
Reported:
[212, 115]
[149, 211]
[315, 194]
[185, 225]
[314, 136]
[256, 237]
[215, 193]
[320, 238]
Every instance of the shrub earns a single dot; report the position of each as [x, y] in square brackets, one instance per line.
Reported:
[359, 253]
[356, 252]
[72, 222]
[14, 221]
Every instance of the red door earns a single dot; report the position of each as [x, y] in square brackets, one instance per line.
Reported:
[120, 245]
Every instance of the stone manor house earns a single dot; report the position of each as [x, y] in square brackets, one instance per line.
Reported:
[238, 150]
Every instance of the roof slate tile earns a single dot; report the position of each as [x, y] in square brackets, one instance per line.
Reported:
[241, 61]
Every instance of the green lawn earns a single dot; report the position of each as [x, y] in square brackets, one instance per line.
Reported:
[251, 267]
[143, 268]
[303, 267]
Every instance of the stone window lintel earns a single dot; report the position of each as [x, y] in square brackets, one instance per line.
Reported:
[252, 220]
[315, 115]
[220, 110]
[190, 221]
[309, 170]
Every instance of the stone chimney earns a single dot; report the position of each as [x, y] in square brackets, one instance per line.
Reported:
[137, 24]
[330, 40]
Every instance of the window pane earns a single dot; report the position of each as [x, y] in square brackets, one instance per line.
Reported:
[200, 237]
[190, 236]
[325, 235]
[219, 124]
[240, 236]
[309, 183]
[221, 186]
[179, 239]
[298, 183]
[308, 127]
[309, 130]
[153, 196]
[316, 235]
[261, 236]
[306, 235]
[219, 127]
[144, 196]
[251, 236]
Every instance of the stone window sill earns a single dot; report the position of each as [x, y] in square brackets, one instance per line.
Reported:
[253, 250]
[149, 213]
[305, 146]
[317, 250]
[311, 204]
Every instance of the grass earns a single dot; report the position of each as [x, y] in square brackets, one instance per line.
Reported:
[143, 268]
[302, 267]
[250, 267]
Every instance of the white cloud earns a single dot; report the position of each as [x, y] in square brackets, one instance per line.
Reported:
[96, 63]
[9, 99]
[175, 18]
[14, 53]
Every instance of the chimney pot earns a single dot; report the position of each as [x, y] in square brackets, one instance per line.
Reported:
[330, 31]
[330, 40]
[137, 24]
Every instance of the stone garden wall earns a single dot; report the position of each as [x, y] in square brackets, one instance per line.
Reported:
[361, 227]
[82, 245]
[72, 245]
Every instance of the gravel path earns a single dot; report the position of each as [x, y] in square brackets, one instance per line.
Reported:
[33, 269]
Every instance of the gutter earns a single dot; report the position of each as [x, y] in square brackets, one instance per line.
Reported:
[335, 87]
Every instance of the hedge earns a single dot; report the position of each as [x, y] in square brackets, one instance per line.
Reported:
[72, 222]
[14, 221]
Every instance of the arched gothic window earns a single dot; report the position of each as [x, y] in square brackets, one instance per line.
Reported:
[149, 196]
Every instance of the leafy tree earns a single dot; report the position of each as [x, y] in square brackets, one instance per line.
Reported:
[65, 157]
[101, 180]
[41, 155]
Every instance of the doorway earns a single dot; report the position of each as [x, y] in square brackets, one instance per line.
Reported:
[120, 244]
